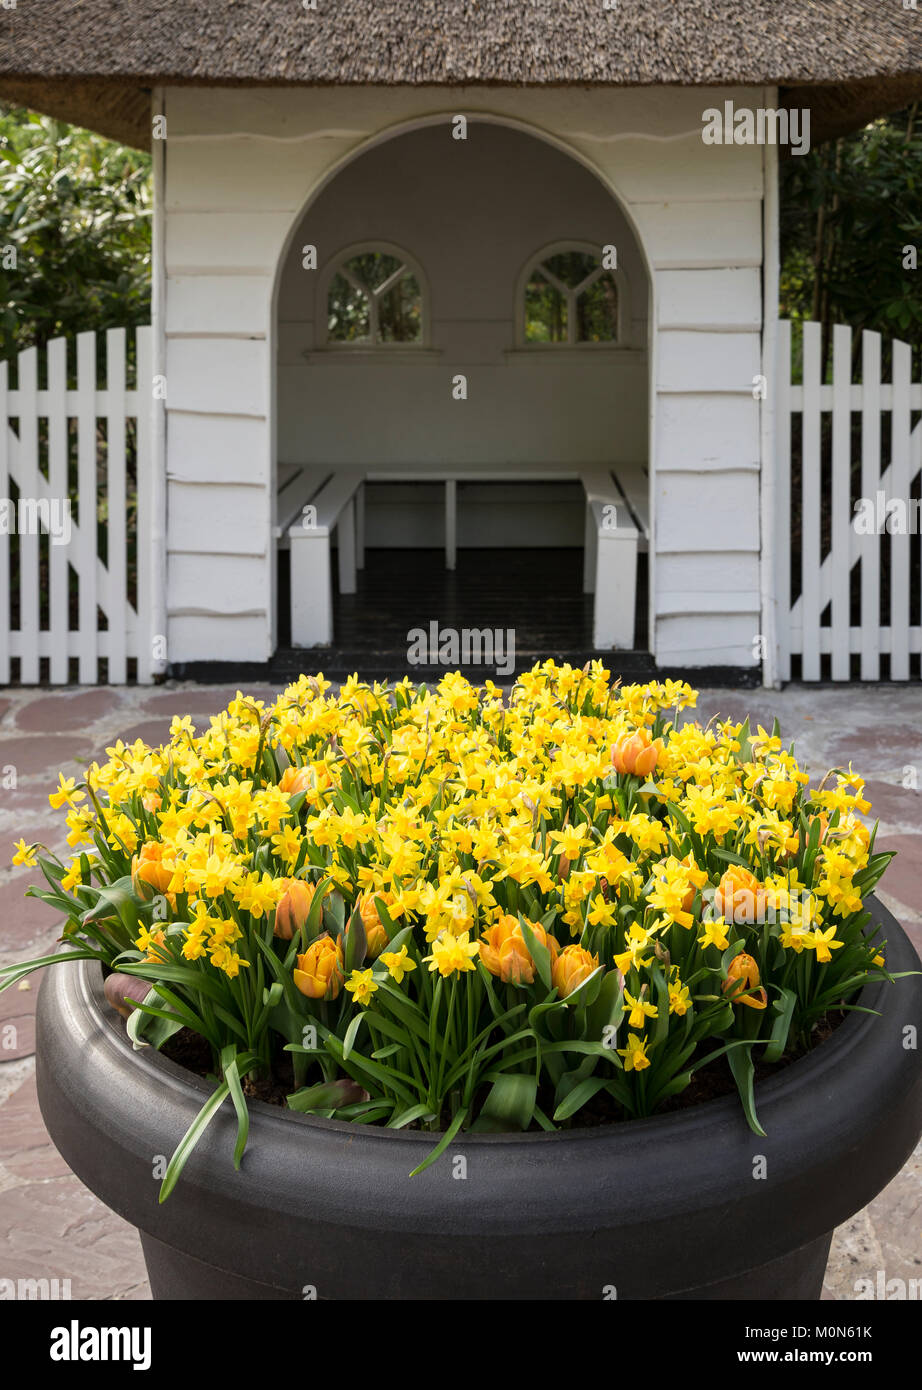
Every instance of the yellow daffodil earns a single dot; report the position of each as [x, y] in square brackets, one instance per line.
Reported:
[635, 1055]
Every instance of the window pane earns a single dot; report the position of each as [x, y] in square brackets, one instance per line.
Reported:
[597, 312]
[572, 267]
[545, 312]
[400, 318]
[348, 319]
[373, 268]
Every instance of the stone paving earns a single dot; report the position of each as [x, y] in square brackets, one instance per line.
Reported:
[51, 1227]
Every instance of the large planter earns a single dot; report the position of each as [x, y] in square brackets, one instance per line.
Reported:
[670, 1207]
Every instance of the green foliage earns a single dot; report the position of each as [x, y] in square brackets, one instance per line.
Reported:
[74, 231]
[848, 211]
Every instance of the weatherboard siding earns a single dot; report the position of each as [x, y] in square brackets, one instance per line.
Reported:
[240, 167]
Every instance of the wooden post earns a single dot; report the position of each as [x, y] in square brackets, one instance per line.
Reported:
[345, 534]
[311, 587]
[451, 524]
[615, 590]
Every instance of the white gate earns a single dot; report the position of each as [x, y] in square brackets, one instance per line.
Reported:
[67, 538]
[863, 527]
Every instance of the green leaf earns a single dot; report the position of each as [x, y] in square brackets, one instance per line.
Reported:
[443, 1143]
[784, 1008]
[539, 953]
[232, 1076]
[120, 897]
[355, 946]
[191, 1137]
[406, 1117]
[352, 1033]
[388, 923]
[195, 981]
[608, 1009]
[315, 912]
[510, 1103]
[578, 1097]
[741, 1065]
[327, 1095]
[11, 974]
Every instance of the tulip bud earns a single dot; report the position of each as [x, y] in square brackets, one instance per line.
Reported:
[376, 936]
[125, 992]
[743, 974]
[505, 954]
[319, 973]
[636, 755]
[571, 968]
[740, 897]
[293, 907]
[149, 872]
[295, 780]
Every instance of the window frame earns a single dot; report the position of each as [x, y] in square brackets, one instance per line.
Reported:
[335, 265]
[535, 262]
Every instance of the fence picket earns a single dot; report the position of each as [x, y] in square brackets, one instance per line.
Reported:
[29, 556]
[783, 497]
[828, 579]
[899, 539]
[145, 370]
[102, 580]
[59, 499]
[841, 500]
[870, 482]
[85, 548]
[810, 510]
[116, 555]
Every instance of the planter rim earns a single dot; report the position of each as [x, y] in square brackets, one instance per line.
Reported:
[848, 1035]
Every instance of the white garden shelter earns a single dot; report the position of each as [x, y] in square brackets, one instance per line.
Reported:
[445, 274]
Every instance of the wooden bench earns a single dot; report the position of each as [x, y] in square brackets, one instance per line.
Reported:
[615, 531]
[316, 500]
[312, 504]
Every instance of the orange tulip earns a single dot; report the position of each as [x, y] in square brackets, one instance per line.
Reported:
[147, 867]
[293, 907]
[505, 953]
[319, 974]
[743, 973]
[375, 931]
[295, 779]
[571, 968]
[636, 754]
[740, 897]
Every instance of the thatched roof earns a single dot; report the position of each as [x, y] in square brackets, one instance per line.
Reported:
[94, 61]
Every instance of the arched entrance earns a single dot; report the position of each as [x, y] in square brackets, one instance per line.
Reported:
[462, 400]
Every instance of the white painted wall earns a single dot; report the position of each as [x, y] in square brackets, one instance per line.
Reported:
[472, 215]
[241, 166]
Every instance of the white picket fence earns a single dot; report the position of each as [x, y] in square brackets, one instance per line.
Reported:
[826, 578]
[101, 586]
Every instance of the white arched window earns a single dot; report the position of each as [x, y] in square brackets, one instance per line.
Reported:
[373, 296]
[567, 298]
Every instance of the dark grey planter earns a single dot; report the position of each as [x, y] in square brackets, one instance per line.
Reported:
[661, 1208]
